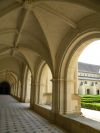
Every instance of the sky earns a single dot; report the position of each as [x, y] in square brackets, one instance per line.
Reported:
[91, 54]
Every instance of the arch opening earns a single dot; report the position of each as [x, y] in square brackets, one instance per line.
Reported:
[5, 88]
[73, 99]
[69, 73]
[45, 92]
[89, 75]
[88, 70]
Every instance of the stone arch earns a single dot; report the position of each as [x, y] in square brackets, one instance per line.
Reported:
[71, 100]
[14, 84]
[44, 85]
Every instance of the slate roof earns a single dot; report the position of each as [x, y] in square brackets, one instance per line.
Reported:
[88, 67]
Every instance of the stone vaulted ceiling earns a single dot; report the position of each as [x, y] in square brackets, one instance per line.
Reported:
[32, 30]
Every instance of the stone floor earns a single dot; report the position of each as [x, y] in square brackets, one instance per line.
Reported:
[15, 117]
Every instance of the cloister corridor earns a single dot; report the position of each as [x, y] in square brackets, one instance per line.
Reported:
[16, 117]
[40, 43]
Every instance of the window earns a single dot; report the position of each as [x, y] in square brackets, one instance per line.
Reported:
[96, 82]
[92, 84]
[81, 83]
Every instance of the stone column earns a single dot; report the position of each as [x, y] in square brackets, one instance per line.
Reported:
[15, 90]
[28, 91]
[37, 91]
[72, 100]
[23, 93]
[33, 93]
[55, 96]
[17, 86]
[19, 89]
[58, 96]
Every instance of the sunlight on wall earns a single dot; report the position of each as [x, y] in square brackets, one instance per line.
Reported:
[46, 86]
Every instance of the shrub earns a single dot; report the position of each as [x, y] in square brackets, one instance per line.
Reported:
[90, 101]
[92, 106]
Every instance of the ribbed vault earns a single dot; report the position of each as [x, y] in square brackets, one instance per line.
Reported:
[30, 30]
[38, 32]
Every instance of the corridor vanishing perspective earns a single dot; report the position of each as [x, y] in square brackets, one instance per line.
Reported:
[40, 43]
[15, 117]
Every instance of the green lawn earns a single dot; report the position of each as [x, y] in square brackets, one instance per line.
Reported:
[90, 102]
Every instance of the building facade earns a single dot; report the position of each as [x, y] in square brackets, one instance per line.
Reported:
[88, 79]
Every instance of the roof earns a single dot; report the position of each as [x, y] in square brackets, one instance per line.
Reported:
[88, 67]
[89, 78]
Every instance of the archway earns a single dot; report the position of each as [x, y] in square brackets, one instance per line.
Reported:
[89, 79]
[45, 92]
[89, 69]
[5, 88]
[74, 104]
[71, 102]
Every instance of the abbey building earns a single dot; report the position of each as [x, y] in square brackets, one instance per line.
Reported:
[88, 79]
